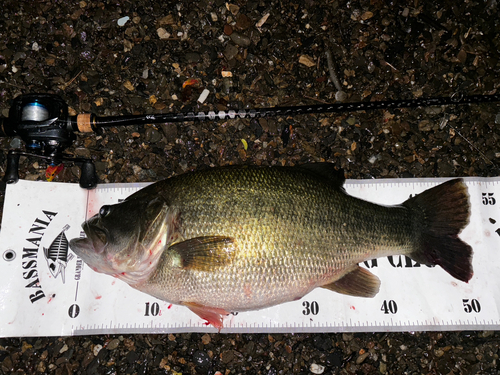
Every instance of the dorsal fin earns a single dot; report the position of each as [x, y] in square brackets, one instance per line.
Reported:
[328, 171]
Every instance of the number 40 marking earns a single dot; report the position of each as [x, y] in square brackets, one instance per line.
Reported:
[389, 307]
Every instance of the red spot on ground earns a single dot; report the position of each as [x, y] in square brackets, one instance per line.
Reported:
[98, 297]
[169, 306]
[352, 307]
[123, 273]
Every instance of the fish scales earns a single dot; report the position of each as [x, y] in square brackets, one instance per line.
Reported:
[293, 234]
[245, 238]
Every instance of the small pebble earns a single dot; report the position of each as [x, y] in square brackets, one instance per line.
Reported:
[240, 39]
[233, 8]
[307, 61]
[316, 369]
[361, 358]
[162, 33]
[113, 344]
[96, 349]
[203, 96]
[122, 21]
[205, 339]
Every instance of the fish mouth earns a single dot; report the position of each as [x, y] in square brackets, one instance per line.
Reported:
[85, 248]
[95, 242]
[99, 236]
[81, 246]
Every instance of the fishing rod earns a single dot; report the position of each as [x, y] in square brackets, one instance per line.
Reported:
[43, 123]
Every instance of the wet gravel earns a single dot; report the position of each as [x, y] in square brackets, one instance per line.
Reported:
[121, 57]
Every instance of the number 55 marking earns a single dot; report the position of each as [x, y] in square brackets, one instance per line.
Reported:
[488, 199]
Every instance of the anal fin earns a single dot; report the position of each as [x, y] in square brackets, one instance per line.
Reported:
[212, 315]
[359, 283]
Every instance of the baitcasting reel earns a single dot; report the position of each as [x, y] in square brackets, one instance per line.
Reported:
[43, 123]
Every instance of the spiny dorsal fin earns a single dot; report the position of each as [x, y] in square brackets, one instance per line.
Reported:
[328, 171]
[205, 253]
[359, 283]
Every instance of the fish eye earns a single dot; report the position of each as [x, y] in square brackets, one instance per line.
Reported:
[104, 211]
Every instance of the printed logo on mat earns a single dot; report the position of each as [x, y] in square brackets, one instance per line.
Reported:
[57, 255]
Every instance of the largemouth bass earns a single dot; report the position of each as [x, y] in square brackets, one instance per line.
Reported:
[245, 238]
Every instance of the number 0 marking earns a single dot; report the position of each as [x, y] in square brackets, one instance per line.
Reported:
[74, 311]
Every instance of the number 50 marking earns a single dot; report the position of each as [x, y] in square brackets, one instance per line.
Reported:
[472, 306]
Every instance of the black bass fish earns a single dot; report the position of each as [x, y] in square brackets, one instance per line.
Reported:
[246, 238]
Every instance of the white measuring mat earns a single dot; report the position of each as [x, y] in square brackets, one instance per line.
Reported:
[46, 290]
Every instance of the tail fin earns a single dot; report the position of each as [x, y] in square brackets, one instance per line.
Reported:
[442, 212]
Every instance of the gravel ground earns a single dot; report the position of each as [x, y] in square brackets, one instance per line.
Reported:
[100, 62]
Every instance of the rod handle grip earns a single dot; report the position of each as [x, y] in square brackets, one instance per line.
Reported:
[85, 123]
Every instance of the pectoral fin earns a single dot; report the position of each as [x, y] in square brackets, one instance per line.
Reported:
[205, 253]
[212, 315]
[359, 283]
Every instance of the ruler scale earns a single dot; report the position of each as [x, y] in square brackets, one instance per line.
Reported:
[78, 301]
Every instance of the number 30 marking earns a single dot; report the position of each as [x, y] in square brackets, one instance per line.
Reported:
[310, 308]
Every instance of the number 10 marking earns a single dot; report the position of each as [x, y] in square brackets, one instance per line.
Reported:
[155, 309]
